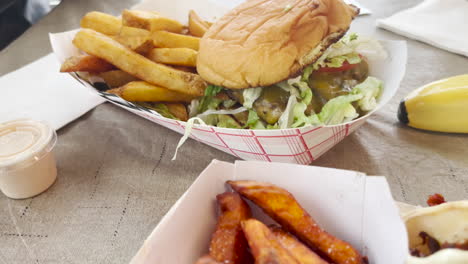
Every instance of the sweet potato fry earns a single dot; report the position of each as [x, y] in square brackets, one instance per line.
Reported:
[133, 63]
[101, 22]
[207, 260]
[228, 243]
[164, 39]
[298, 250]
[280, 205]
[117, 78]
[197, 27]
[265, 247]
[85, 63]
[174, 56]
[140, 91]
[151, 21]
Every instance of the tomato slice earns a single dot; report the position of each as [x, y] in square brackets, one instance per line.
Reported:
[346, 66]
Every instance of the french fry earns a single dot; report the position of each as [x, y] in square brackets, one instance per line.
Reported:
[85, 63]
[133, 31]
[280, 205]
[117, 78]
[298, 250]
[127, 60]
[137, 44]
[207, 260]
[138, 41]
[197, 26]
[178, 110]
[101, 22]
[164, 39]
[228, 243]
[174, 56]
[265, 247]
[140, 91]
[151, 21]
[185, 69]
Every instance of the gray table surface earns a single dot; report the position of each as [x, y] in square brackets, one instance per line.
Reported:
[116, 178]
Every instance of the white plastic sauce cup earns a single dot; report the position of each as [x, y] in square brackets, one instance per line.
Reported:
[27, 163]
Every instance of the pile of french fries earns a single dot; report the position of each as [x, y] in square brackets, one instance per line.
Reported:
[142, 57]
[241, 239]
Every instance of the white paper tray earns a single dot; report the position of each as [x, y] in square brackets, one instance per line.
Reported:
[349, 205]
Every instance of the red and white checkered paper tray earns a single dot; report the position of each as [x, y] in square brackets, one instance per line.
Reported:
[297, 145]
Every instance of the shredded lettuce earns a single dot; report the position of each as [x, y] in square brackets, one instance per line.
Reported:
[210, 120]
[251, 95]
[209, 101]
[352, 43]
[258, 125]
[299, 88]
[370, 48]
[370, 89]
[227, 122]
[336, 62]
[253, 121]
[193, 107]
[213, 90]
[339, 110]
[347, 49]
[274, 126]
[188, 129]
[229, 103]
[353, 58]
[222, 112]
[162, 109]
[211, 116]
[287, 117]
[288, 87]
[307, 72]
[305, 91]
[301, 119]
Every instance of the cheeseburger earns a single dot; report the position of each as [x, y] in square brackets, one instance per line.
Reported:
[283, 64]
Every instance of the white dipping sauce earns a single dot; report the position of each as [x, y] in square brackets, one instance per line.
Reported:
[27, 163]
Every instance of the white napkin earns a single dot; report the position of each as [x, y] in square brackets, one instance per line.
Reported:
[39, 91]
[441, 23]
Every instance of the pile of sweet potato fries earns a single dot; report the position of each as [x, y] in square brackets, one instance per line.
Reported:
[239, 238]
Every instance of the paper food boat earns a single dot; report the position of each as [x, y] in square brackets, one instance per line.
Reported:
[350, 205]
[295, 145]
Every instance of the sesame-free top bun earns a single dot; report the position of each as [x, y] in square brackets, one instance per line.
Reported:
[263, 42]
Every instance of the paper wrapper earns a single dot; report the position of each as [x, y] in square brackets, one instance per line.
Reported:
[349, 205]
[298, 145]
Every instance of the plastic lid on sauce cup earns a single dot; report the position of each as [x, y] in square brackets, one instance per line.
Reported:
[27, 165]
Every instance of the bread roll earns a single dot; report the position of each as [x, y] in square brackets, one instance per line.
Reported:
[263, 42]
